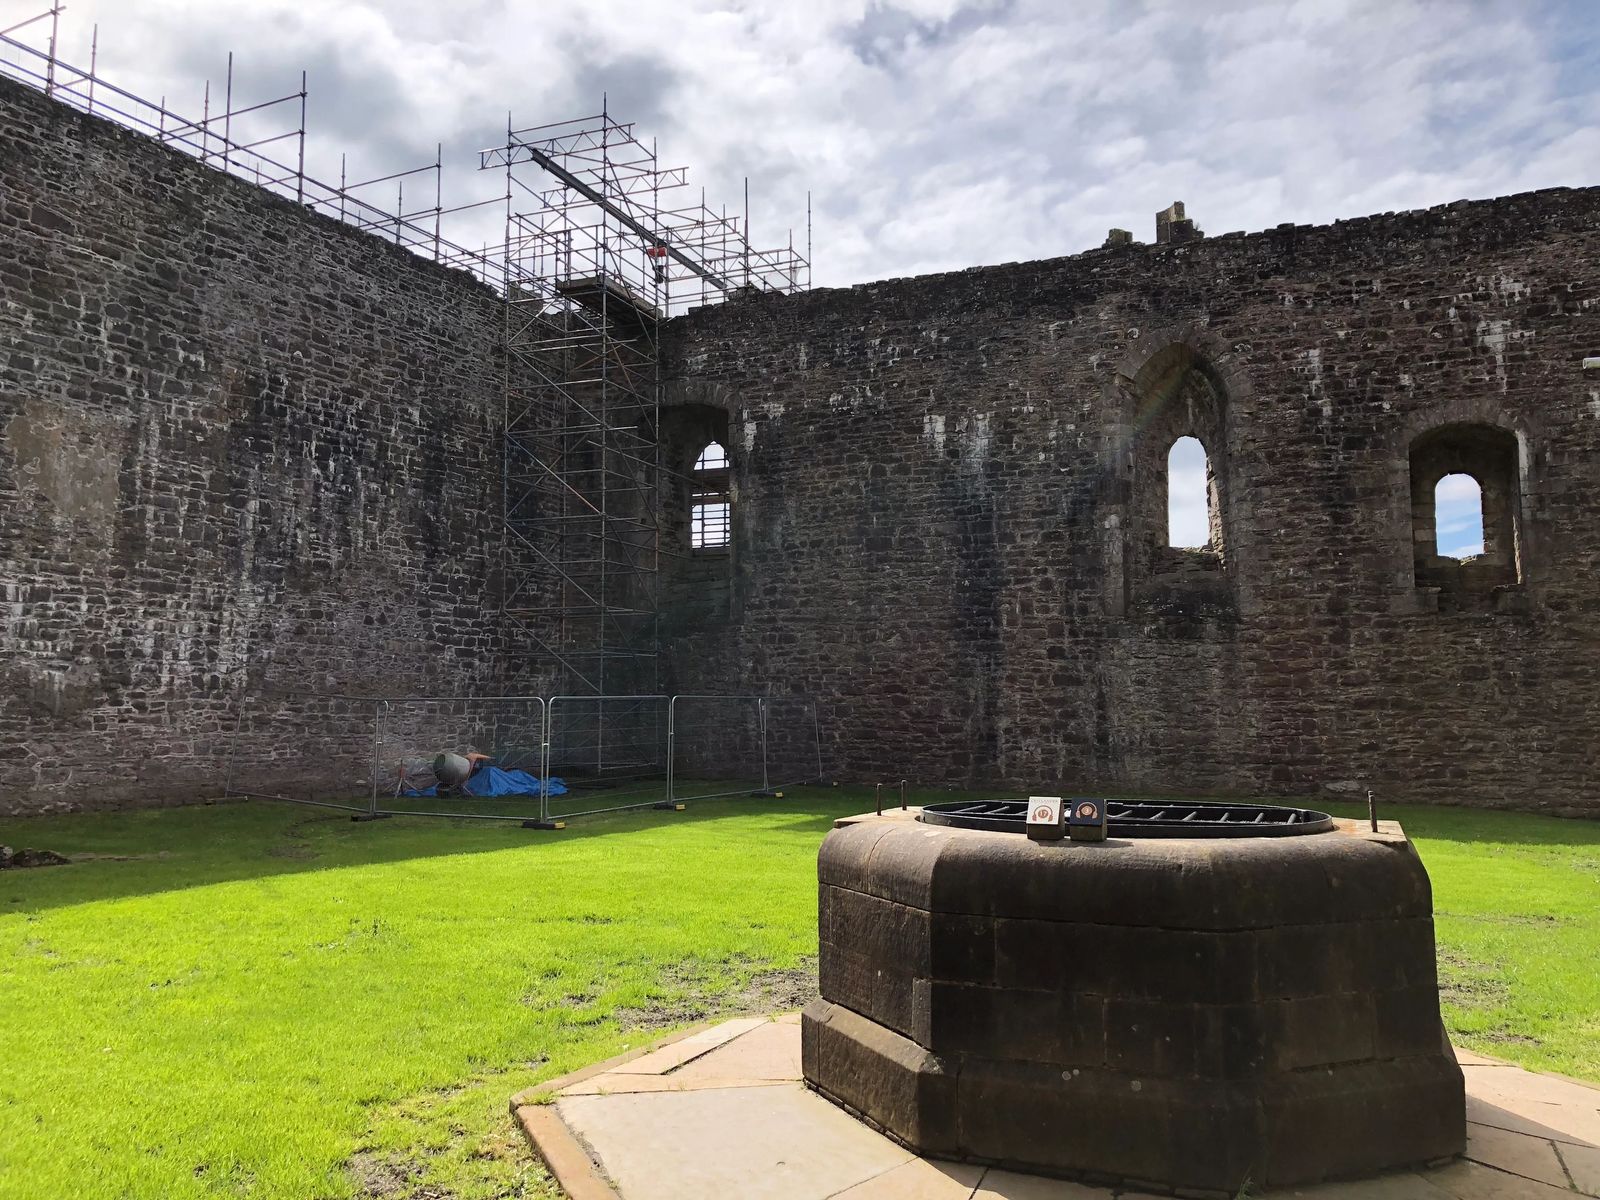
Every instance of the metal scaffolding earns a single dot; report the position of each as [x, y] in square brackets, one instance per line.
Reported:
[593, 265]
[602, 244]
[261, 141]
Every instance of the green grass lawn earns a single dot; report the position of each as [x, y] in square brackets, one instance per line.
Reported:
[269, 1001]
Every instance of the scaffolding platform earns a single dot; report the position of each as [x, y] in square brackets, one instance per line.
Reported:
[602, 246]
[609, 298]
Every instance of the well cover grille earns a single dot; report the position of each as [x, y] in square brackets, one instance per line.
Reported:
[1145, 818]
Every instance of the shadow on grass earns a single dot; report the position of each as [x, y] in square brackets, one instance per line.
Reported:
[124, 854]
[143, 852]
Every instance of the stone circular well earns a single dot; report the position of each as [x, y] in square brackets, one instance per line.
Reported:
[1189, 1014]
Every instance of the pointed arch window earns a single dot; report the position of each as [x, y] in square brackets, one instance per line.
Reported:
[710, 506]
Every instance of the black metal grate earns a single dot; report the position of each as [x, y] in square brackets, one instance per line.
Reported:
[1144, 818]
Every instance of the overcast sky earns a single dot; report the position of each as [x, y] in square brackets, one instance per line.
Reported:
[933, 134]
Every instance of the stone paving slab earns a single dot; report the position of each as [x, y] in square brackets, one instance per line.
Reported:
[919, 1179]
[1010, 1185]
[1543, 1105]
[722, 1112]
[678, 1053]
[770, 1051]
[769, 1143]
[1583, 1165]
[620, 1083]
[1530, 1157]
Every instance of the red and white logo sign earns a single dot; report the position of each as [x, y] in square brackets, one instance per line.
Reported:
[1044, 810]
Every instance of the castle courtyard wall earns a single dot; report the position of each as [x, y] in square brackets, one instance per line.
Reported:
[950, 512]
[245, 451]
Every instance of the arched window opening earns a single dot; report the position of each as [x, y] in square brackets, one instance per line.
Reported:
[1171, 559]
[710, 511]
[1458, 516]
[1466, 500]
[1188, 495]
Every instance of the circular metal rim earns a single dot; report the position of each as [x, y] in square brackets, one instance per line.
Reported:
[1308, 821]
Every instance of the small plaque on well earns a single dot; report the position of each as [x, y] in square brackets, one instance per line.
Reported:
[1045, 821]
[1086, 821]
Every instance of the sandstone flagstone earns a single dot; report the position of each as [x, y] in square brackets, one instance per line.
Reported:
[707, 1132]
[919, 1179]
[779, 1142]
[676, 1054]
[1519, 1153]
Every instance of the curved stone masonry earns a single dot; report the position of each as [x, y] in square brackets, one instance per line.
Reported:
[1183, 1014]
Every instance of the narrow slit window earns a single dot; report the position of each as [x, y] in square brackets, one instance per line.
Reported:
[1188, 495]
[710, 509]
[1458, 516]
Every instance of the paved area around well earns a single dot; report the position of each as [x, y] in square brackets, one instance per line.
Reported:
[723, 1113]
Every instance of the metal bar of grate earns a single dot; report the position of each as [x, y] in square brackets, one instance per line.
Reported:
[1142, 818]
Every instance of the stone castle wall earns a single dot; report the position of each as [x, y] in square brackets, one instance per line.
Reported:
[249, 452]
[244, 450]
[950, 517]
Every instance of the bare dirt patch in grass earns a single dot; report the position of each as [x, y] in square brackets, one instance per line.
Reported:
[781, 990]
[1467, 982]
[29, 857]
[451, 1143]
[692, 997]
[387, 1177]
[1505, 1037]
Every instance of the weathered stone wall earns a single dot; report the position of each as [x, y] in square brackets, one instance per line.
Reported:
[243, 450]
[246, 451]
[950, 521]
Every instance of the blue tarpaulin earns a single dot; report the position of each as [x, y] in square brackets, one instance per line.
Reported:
[490, 780]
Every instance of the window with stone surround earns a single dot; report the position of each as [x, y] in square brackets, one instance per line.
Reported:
[710, 512]
[1466, 560]
[698, 495]
[1179, 467]
[1176, 564]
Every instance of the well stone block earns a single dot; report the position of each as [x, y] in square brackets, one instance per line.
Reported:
[1060, 1008]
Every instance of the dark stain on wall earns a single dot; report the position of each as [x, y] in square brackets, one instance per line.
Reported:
[975, 579]
[246, 451]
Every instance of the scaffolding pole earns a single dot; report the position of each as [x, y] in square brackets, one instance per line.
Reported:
[591, 270]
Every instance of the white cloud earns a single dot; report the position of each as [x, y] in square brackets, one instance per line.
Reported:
[934, 133]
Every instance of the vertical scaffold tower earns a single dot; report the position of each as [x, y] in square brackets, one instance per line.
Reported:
[600, 249]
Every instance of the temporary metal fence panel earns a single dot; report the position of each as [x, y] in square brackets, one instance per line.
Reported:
[609, 751]
[739, 745]
[411, 732]
[713, 746]
[373, 756]
[305, 749]
[792, 743]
